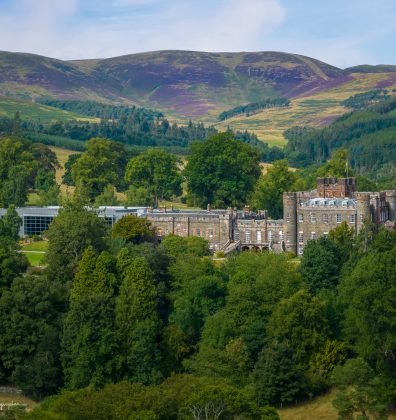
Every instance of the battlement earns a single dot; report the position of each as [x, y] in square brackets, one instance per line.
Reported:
[336, 187]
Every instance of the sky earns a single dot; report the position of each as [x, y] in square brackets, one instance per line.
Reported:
[340, 32]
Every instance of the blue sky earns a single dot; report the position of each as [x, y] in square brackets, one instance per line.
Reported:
[339, 32]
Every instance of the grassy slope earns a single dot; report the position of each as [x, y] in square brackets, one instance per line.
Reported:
[31, 111]
[315, 110]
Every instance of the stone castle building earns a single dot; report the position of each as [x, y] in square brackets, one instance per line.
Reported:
[307, 215]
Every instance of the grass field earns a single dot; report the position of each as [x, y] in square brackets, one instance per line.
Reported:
[319, 408]
[315, 110]
[15, 398]
[36, 112]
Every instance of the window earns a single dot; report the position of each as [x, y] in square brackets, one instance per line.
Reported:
[178, 229]
[248, 237]
[352, 218]
[287, 237]
[198, 232]
[36, 225]
[313, 236]
[288, 217]
[281, 236]
[236, 235]
[159, 231]
[300, 237]
[313, 218]
[300, 250]
[339, 218]
[325, 218]
[325, 234]
[258, 236]
[270, 236]
[210, 233]
[109, 220]
[300, 217]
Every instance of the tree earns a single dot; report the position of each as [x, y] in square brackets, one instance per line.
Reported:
[107, 198]
[10, 224]
[299, 320]
[368, 294]
[89, 346]
[102, 164]
[30, 314]
[178, 246]
[49, 197]
[277, 378]
[344, 237]
[362, 392]
[133, 229]
[15, 188]
[337, 166]
[73, 230]
[138, 324]
[193, 303]
[320, 265]
[44, 180]
[139, 196]
[221, 171]
[12, 262]
[157, 171]
[270, 187]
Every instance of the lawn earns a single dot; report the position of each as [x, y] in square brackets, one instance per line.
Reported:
[35, 252]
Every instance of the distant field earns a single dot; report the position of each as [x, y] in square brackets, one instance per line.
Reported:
[32, 111]
[315, 110]
[15, 398]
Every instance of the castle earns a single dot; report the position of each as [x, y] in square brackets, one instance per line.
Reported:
[306, 215]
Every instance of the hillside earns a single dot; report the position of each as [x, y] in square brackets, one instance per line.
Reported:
[199, 85]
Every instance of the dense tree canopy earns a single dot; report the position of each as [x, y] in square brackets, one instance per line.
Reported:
[221, 171]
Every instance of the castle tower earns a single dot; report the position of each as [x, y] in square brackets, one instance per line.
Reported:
[290, 221]
[391, 200]
[363, 210]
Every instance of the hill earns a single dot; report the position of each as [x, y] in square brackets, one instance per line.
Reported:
[199, 85]
[185, 83]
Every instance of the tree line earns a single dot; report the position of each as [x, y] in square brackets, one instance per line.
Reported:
[253, 108]
[369, 136]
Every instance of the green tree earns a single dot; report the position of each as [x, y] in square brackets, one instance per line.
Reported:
[107, 197]
[44, 180]
[156, 171]
[30, 314]
[362, 394]
[300, 320]
[14, 189]
[178, 246]
[277, 378]
[49, 197]
[368, 294]
[337, 167]
[344, 237]
[133, 229]
[320, 265]
[221, 171]
[192, 304]
[102, 164]
[138, 196]
[89, 346]
[73, 230]
[12, 262]
[10, 224]
[270, 187]
[138, 324]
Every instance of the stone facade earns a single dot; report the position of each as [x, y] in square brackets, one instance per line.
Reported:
[307, 215]
[310, 215]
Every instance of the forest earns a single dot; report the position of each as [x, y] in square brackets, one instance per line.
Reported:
[253, 108]
[369, 135]
[119, 326]
[137, 128]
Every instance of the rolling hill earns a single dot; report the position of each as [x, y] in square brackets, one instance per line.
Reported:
[199, 85]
